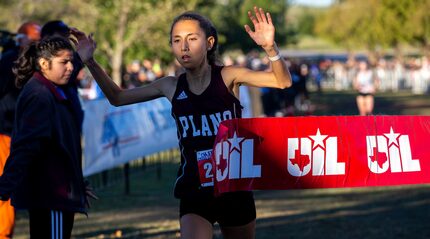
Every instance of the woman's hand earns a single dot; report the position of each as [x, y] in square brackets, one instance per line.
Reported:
[264, 31]
[85, 45]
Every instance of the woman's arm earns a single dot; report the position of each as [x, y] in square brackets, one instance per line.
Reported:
[263, 35]
[117, 96]
[85, 46]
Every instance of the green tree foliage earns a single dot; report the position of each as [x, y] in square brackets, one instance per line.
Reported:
[393, 17]
[230, 16]
[375, 23]
[301, 21]
[15, 12]
[419, 24]
[134, 29]
[277, 9]
[306, 23]
[343, 21]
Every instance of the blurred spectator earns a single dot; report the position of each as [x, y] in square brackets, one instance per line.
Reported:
[55, 28]
[398, 75]
[148, 71]
[27, 33]
[244, 97]
[381, 74]
[365, 83]
[134, 77]
[88, 88]
[157, 69]
[227, 60]
[302, 100]
[316, 77]
[289, 94]
[254, 63]
[340, 76]
[425, 73]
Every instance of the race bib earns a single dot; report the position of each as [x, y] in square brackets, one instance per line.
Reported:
[205, 167]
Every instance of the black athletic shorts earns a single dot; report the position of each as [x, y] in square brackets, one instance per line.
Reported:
[229, 209]
[365, 94]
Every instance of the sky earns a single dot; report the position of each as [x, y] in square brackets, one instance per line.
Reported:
[315, 3]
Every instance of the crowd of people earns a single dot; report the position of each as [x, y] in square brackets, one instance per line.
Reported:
[387, 75]
[412, 73]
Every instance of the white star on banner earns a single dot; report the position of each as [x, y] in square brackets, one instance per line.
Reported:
[318, 139]
[235, 141]
[392, 138]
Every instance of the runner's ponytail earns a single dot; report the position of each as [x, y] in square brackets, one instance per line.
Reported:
[26, 65]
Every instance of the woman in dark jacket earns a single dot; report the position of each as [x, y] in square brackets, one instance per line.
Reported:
[43, 172]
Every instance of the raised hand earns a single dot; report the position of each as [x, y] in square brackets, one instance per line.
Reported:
[85, 45]
[264, 31]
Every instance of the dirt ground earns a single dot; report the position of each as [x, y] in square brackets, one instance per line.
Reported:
[379, 212]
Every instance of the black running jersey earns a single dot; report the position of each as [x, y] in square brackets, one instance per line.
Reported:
[197, 119]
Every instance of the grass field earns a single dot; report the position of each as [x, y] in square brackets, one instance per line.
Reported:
[150, 211]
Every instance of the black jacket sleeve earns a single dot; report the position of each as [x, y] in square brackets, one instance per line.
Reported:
[32, 130]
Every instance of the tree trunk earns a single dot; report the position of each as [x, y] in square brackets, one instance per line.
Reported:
[116, 65]
[118, 50]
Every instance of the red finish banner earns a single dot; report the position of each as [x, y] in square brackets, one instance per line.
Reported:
[318, 152]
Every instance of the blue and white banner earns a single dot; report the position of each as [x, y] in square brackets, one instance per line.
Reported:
[116, 135]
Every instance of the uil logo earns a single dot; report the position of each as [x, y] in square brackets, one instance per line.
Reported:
[317, 152]
[392, 151]
[234, 159]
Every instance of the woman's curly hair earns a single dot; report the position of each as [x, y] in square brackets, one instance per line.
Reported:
[28, 61]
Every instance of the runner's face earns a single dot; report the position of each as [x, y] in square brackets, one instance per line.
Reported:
[59, 69]
[189, 43]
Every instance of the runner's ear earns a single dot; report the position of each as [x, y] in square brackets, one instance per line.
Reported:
[44, 64]
[210, 42]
